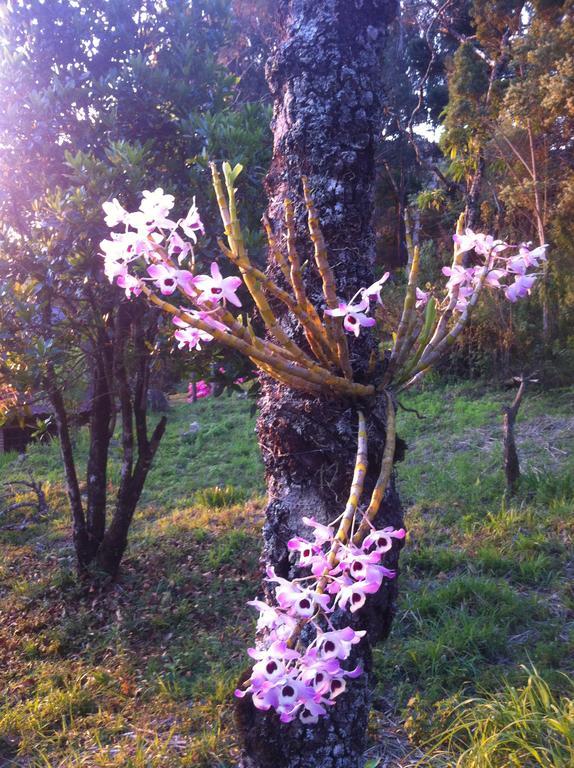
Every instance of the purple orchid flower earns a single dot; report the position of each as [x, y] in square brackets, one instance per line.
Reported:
[520, 288]
[422, 298]
[382, 541]
[188, 336]
[130, 284]
[337, 643]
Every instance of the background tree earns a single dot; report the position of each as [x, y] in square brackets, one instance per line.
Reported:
[104, 100]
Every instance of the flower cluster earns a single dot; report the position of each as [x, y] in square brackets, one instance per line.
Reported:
[149, 234]
[464, 281]
[303, 683]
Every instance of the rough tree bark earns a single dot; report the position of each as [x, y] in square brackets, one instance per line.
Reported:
[325, 80]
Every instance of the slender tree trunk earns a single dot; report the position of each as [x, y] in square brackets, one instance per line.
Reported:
[511, 462]
[472, 209]
[135, 465]
[325, 78]
[79, 533]
[97, 469]
[549, 321]
[115, 539]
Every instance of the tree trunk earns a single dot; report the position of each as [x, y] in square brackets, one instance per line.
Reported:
[324, 76]
[133, 408]
[79, 532]
[101, 409]
[472, 208]
[115, 540]
[511, 462]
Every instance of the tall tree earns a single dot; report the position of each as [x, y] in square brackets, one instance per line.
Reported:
[325, 79]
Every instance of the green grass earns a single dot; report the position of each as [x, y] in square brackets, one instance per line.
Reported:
[486, 584]
[529, 725]
[222, 452]
[142, 675]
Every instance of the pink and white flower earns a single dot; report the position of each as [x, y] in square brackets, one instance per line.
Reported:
[165, 278]
[337, 644]
[422, 298]
[382, 541]
[177, 247]
[483, 244]
[217, 288]
[322, 533]
[520, 288]
[192, 223]
[354, 317]
[132, 285]
[374, 290]
[115, 213]
[458, 275]
[188, 336]
[155, 207]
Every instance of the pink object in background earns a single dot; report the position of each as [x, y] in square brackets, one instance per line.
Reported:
[202, 389]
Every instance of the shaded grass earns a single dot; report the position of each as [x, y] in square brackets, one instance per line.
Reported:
[143, 673]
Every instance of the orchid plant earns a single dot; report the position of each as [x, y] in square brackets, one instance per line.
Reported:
[154, 255]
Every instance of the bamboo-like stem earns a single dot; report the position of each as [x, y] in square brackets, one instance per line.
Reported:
[409, 341]
[292, 305]
[342, 534]
[316, 333]
[261, 353]
[334, 328]
[294, 382]
[441, 328]
[430, 317]
[228, 211]
[220, 197]
[275, 251]
[406, 316]
[356, 490]
[295, 276]
[409, 237]
[384, 475]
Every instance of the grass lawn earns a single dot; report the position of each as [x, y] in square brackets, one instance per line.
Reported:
[143, 674]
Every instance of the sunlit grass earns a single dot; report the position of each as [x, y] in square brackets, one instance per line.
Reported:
[142, 675]
[524, 726]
